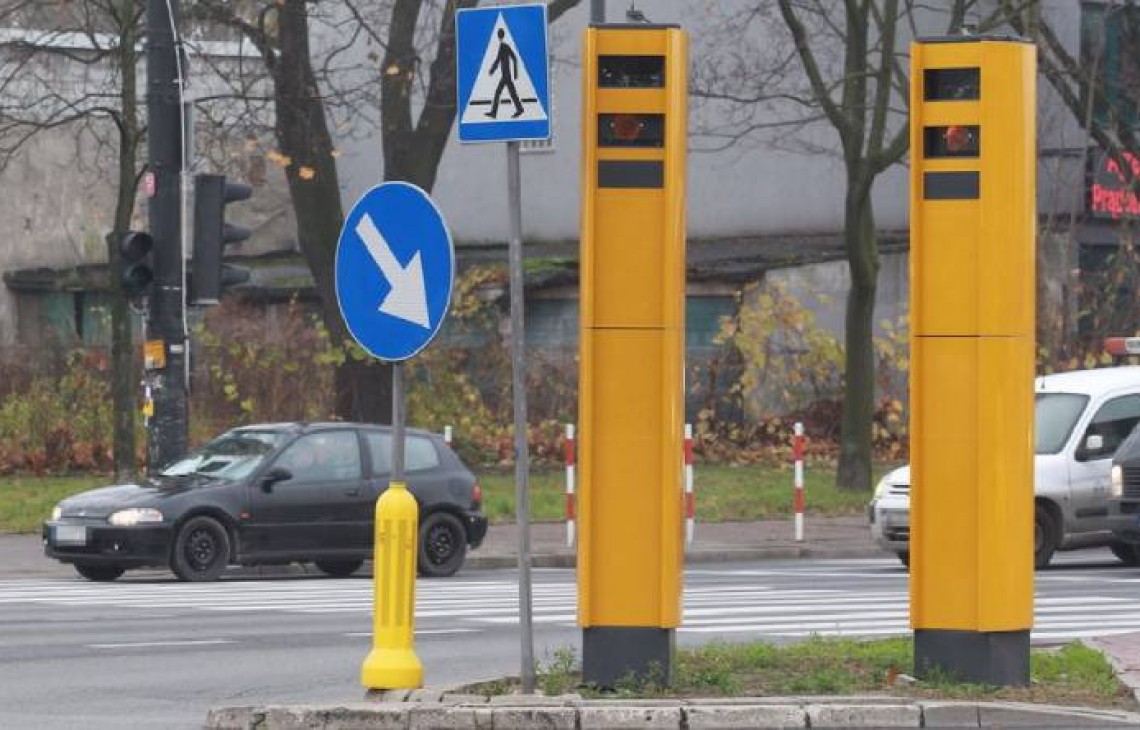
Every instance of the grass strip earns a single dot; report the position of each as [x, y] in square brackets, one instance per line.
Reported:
[26, 501]
[723, 493]
[1072, 675]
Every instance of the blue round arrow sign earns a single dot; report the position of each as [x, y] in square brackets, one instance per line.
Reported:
[395, 265]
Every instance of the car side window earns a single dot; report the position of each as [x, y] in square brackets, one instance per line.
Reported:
[419, 453]
[330, 456]
[380, 449]
[1113, 423]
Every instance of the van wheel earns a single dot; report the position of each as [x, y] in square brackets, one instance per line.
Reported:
[1128, 553]
[1044, 536]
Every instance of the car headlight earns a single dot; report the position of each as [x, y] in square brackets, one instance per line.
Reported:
[880, 488]
[135, 516]
[56, 513]
[1117, 485]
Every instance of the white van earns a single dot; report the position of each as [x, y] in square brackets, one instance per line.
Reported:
[1081, 418]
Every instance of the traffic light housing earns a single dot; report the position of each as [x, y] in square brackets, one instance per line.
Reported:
[133, 265]
[210, 275]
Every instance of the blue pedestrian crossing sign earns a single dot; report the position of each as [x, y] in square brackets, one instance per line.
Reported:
[503, 73]
[395, 265]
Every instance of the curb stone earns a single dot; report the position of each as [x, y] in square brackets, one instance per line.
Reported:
[571, 713]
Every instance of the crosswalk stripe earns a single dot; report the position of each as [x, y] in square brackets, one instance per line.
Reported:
[732, 608]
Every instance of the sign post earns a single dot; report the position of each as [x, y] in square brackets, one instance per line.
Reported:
[504, 96]
[395, 266]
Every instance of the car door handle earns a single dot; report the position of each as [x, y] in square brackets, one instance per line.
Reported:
[354, 492]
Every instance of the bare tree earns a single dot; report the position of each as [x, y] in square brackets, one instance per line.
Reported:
[1102, 94]
[843, 66]
[75, 71]
[407, 31]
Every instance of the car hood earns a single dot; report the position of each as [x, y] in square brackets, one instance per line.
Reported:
[147, 493]
[900, 475]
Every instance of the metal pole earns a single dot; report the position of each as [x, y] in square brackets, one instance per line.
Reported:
[597, 11]
[397, 422]
[518, 388]
[167, 437]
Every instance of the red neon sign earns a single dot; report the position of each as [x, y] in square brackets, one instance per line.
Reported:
[1113, 192]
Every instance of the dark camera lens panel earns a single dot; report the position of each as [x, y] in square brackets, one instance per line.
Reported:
[956, 140]
[631, 130]
[952, 84]
[631, 72]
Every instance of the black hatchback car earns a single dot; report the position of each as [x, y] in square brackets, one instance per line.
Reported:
[271, 494]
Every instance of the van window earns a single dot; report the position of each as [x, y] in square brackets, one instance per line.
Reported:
[1054, 416]
[1113, 422]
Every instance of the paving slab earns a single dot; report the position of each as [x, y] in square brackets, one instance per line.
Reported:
[623, 717]
[724, 717]
[949, 714]
[1025, 715]
[535, 718]
[864, 715]
[440, 717]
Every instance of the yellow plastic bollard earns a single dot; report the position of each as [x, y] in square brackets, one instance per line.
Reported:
[392, 663]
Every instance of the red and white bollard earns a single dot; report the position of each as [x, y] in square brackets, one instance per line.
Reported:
[798, 456]
[568, 445]
[690, 501]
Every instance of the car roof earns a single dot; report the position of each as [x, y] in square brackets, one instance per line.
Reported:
[1090, 382]
[311, 426]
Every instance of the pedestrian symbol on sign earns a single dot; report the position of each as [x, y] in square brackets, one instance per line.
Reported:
[502, 72]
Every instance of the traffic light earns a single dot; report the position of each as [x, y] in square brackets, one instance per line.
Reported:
[210, 275]
[631, 393]
[972, 222]
[133, 266]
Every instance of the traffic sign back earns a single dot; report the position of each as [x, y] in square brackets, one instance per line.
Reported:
[395, 265]
[503, 73]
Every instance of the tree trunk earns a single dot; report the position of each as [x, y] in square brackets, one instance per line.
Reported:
[364, 388]
[854, 472]
[124, 403]
[122, 375]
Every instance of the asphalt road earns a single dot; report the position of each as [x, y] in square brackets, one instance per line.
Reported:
[147, 652]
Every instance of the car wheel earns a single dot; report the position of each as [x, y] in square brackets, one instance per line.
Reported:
[339, 568]
[201, 550]
[904, 558]
[1044, 537]
[443, 545]
[1126, 552]
[101, 573]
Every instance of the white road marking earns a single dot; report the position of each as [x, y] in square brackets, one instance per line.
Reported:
[151, 644]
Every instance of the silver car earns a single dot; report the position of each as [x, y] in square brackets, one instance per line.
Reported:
[1080, 420]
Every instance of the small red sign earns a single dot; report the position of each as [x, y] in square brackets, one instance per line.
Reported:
[1111, 193]
[148, 184]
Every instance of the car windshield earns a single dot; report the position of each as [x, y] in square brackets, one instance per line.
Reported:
[232, 455]
[1055, 416]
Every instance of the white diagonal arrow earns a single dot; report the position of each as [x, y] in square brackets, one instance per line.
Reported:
[408, 297]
